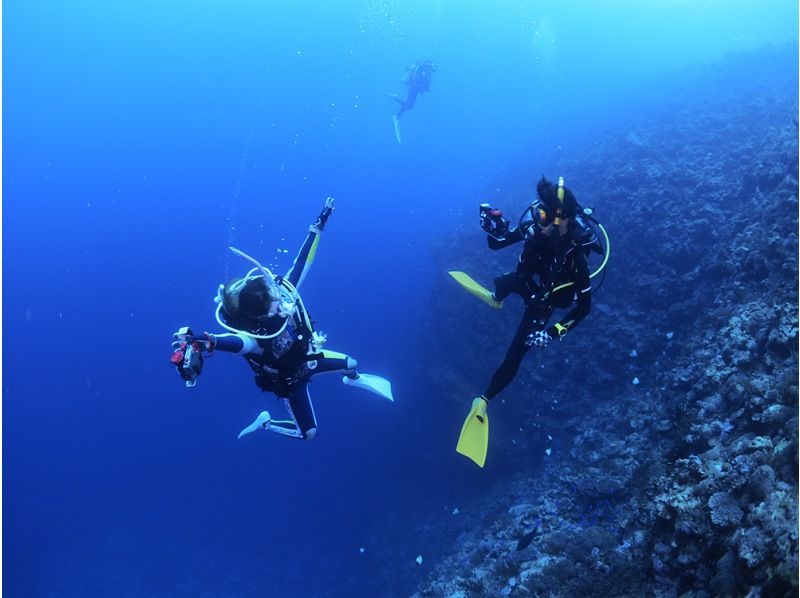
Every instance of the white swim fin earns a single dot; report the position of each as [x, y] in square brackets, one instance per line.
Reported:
[375, 384]
[260, 423]
[397, 129]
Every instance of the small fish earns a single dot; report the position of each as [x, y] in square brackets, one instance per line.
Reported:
[525, 540]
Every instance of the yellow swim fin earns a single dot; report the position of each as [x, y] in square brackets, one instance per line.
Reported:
[482, 293]
[474, 439]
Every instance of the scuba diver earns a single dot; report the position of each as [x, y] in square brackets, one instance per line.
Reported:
[268, 325]
[418, 80]
[552, 273]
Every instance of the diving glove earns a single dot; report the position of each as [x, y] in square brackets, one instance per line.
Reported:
[539, 339]
[326, 212]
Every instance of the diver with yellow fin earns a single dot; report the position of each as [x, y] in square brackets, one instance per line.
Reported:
[269, 326]
[552, 273]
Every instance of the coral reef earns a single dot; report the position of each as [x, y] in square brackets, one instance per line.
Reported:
[674, 406]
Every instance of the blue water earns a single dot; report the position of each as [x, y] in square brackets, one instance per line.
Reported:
[143, 139]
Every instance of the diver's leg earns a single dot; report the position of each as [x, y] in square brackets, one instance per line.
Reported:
[331, 361]
[411, 98]
[290, 428]
[505, 285]
[408, 103]
[303, 423]
[511, 282]
[297, 402]
[504, 374]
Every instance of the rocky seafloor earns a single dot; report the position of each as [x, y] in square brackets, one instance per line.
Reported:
[655, 449]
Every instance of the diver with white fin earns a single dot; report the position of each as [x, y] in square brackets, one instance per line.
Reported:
[418, 80]
[268, 325]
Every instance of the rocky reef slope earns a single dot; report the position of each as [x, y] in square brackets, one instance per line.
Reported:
[656, 446]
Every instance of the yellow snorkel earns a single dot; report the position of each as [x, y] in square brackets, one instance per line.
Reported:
[560, 193]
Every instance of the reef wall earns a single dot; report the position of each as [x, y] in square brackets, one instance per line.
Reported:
[655, 448]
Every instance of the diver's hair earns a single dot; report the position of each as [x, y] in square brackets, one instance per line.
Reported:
[230, 300]
[251, 300]
[548, 193]
[542, 186]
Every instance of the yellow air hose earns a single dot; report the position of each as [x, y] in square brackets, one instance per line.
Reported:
[599, 269]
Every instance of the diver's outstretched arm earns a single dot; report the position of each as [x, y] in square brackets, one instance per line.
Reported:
[208, 343]
[305, 257]
[514, 236]
[189, 350]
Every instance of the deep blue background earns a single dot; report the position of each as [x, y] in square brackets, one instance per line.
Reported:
[143, 138]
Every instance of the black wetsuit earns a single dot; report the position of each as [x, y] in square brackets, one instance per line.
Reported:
[543, 266]
[284, 365]
[418, 81]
